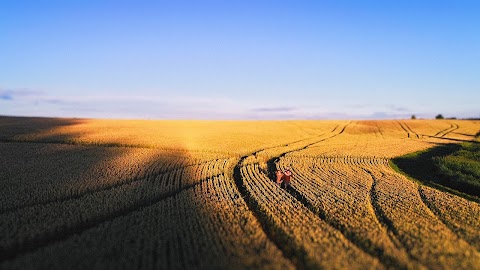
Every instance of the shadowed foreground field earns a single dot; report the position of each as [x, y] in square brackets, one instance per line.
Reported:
[135, 194]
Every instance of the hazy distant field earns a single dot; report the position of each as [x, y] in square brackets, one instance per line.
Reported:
[83, 194]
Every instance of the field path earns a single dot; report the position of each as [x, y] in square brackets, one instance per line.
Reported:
[303, 235]
[403, 230]
[330, 192]
[444, 132]
[372, 233]
[217, 216]
[408, 130]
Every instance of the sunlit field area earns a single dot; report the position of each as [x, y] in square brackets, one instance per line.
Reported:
[140, 194]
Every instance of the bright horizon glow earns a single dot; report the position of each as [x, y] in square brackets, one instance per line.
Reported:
[240, 59]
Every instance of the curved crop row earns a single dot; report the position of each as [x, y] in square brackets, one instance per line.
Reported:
[384, 213]
[339, 190]
[423, 234]
[262, 156]
[301, 233]
[177, 206]
[39, 225]
[54, 173]
[444, 132]
[460, 215]
[205, 227]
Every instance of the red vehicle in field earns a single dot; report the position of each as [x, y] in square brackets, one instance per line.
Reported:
[283, 177]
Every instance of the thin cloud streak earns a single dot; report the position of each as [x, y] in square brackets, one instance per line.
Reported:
[6, 96]
[34, 103]
[122, 100]
[26, 102]
[274, 109]
[20, 93]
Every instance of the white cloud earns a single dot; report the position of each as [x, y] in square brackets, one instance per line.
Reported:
[27, 102]
[19, 93]
[36, 103]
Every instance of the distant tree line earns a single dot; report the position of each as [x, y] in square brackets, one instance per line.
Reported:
[440, 116]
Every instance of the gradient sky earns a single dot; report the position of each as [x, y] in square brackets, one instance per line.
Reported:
[259, 59]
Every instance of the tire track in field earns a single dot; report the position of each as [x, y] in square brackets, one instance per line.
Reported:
[335, 128]
[382, 218]
[269, 228]
[404, 129]
[49, 239]
[427, 205]
[464, 134]
[433, 211]
[411, 130]
[282, 145]
[309, 138]
[379, 130]
[385, 259]
[453, 128]
[468, 231]
[425, 237]
[366, 246]
[343, 129]
[272, 230]
[106, 187]
[309, 132]
[442, 133]
[311, 145]
[301, 252]
[408, 130]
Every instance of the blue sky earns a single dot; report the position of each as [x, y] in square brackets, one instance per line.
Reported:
[245, 59]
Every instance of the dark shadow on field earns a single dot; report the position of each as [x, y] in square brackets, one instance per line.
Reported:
[464, 134]
[11, 126]
[143, 222]
[52, 185]
[449, 139]
[61, 206]
[29, 169]
[422, 167]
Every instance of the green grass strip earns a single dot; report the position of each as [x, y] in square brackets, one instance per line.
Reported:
[453, 168]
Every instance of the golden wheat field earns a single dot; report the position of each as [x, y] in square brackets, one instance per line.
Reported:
[144, 194]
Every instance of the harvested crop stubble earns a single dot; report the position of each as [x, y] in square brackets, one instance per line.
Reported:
[302, 233]
[196, 228]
